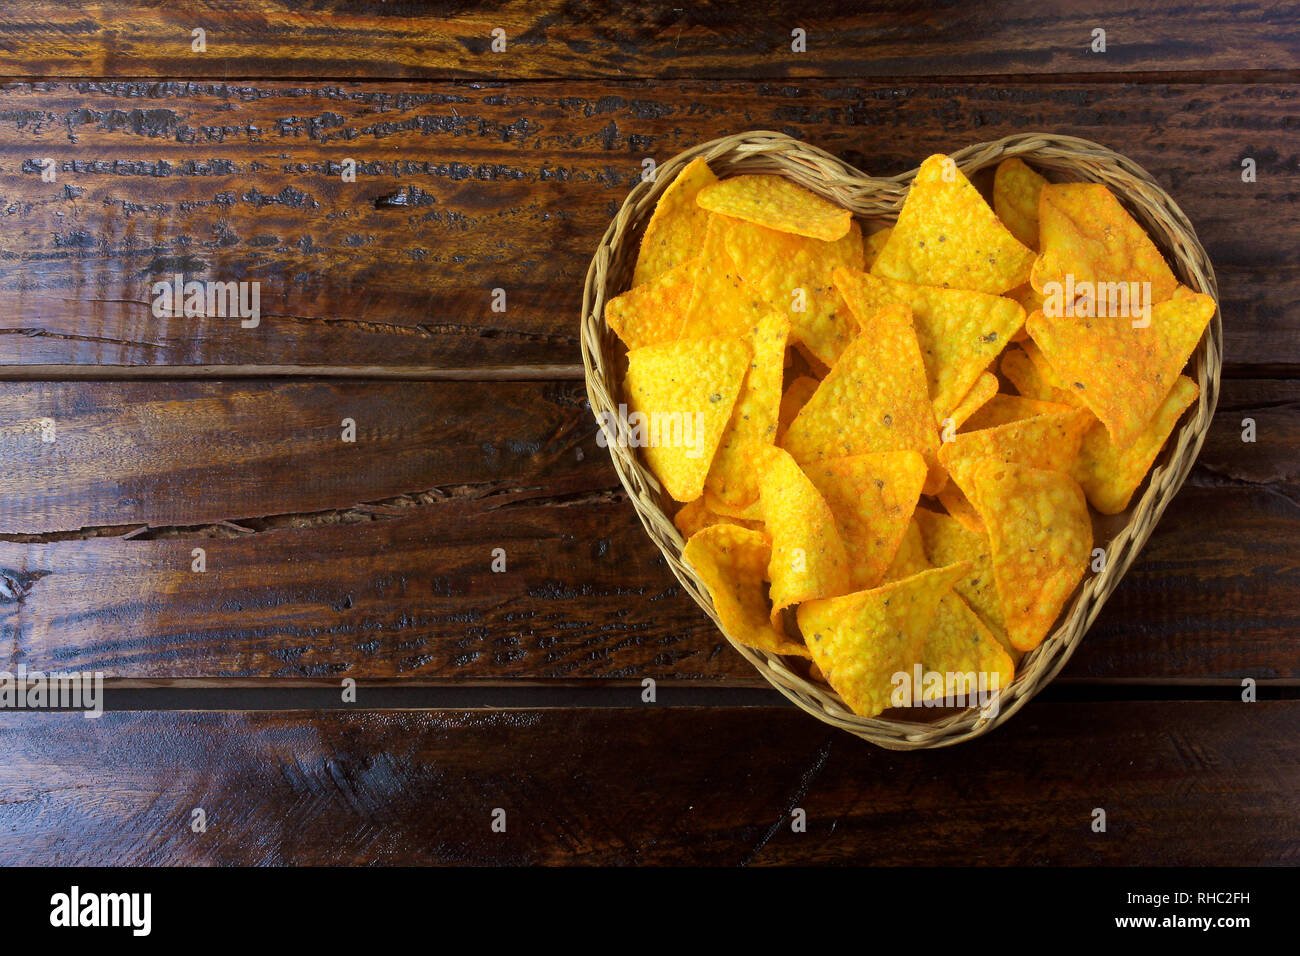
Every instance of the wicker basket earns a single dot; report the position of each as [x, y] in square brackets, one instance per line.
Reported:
[1061, 158]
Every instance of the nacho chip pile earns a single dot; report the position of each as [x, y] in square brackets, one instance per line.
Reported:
[888, 451]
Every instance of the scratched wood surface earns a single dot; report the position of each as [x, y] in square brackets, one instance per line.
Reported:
[477, 171]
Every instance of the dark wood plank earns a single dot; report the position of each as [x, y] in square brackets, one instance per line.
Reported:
[339, 579]
[465, 188]
[261, 38]
[1181, 783]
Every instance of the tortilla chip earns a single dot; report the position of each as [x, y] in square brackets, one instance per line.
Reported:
[1041, 539]
[959, 332]
[1108, 475]
[722, 302]
[1022, 372]
[1002, 409]
[731, 562]
[695, 516]
[1016, 189]
[959, 646]
[985, 387]
[655, 311]
[861, 640]
[872, 245]
[674, 232]
[1085, 233]
[872, 498]
[808, 557]
[959, 507]
[1122, 373]
[751, 512]
[775, 202]
[794, 399]
[948, 541]
[790, 271]
[733, 477]
[910, 558]
[947, 236]
[874, 399]
[691, 384]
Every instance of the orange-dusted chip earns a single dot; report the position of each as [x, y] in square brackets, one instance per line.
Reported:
[947, 236]
[793, 275]
[1016, 189]
[808, 557]
[1110, 475]
[1088, 237]
[872, 245]
[861, 640]
[775, 202]
[680, 395]
[948, 541]
[965, 652]
[1043, 441]
[674, 232]
[695, 516]
[1041, 539]
[733, 477]
[722, 302]
[1123, 373]
[985, 387]
[872, 498]
[731, 561]
[1003, 409]
[959, 507]
[655, 311]
[794, 399]
[1022, 372]
[910, 558]
[959, 332]
[752, 512]
[874, 399]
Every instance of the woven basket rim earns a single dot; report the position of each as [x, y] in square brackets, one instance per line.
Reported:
[873, 198]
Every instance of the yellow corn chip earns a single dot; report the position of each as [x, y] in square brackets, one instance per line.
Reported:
[775, 202]
[862, 640]
[674, 232]
[871, 498]
[1003, 409]
[722, 302]
[681, 394]
[1022, 372]
[985, 387]
[655, 311]
[733, 477]
[1041, 539]
[872, 245]
[793, 275]
[910, 558]
[695, 516]
[948, 541]
[947, 236]
[808, 557]
[794, 399]
[959, 507]
[1086, 235]
[874, 399]
[1124, 373]
[965, 652]
[1016, 188]
[959, 332]
[1109, 476]
[731, 562]
[752, 512]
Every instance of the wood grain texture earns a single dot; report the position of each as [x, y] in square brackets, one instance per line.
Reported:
[374, 560]
[465, 188]
[1185, 784]
[556, 38]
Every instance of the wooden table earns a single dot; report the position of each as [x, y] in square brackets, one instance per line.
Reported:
[372, 560]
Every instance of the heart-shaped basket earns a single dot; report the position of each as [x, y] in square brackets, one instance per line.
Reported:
[1061, 158]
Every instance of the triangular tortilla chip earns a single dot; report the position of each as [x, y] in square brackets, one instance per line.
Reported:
[673, 234]
[910, 558]
[985, 387]
[959, 507]
[1087, 235]
[775, 202]
[1041, 539]
[1043, 441]
[793, 401]
[874, 399]
[862, 640]
[872, 498]
[731, 562]
[684, 392]
[947, 541]
[808, 557]
[961, 648]
[722, 302]
[959, 332]
[655, 311]
[1022, 372]
[1016, 189]
[793, 275]
[695, 516]
[947, 236]
[1124, 373]
[733, 477]
[872, 245]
